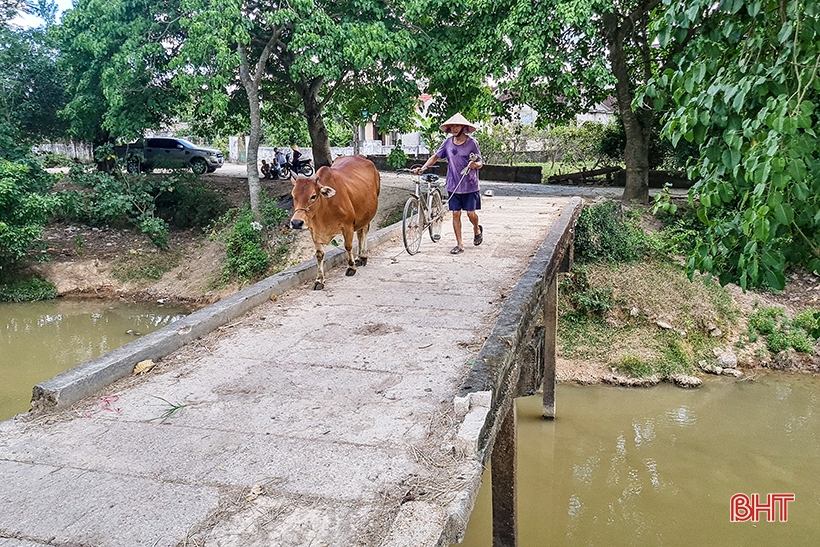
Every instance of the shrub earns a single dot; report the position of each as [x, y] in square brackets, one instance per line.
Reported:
[25, 208]
[27, 290]
[634, 366]
[809, 320]
[397, 159]
[781, 334]
[605, 234]
[588, 302]
[188, 203]
[246, 258]
[272, 214]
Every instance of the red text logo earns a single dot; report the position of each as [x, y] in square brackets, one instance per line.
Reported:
[775, 508]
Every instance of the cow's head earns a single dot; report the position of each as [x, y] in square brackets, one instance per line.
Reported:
[307, 196]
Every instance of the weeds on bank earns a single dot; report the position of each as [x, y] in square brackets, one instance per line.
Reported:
[253, 248]
[27, 289]
[781, 333]
[623, 283]
[137, 265]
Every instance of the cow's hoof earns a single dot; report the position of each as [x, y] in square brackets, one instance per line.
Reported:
[361, 261]
[350, 271]
[318, 286]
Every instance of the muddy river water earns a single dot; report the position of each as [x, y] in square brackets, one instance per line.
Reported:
[659, 466]
[41, 339]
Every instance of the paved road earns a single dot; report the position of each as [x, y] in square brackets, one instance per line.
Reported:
[499, 188]
[319, 418]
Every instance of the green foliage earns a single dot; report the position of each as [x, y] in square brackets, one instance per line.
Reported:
[155, 228]
[801, 333]
[577, 146]
[809, 320]
[604, 233]
[635, 366]
[50, 159]
[31, 90]
[150, 202]
[244, 244]
[397, 159]
[504, 142]
[25, 207]
[325, 51]
[588, 302]
[272, 214]
[27, 290]
[115, 55]
[745, 92]
[188, 202]
[117, 199]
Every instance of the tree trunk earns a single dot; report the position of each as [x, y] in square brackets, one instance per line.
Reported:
[637, 125]
[253, 150]
[320, 143]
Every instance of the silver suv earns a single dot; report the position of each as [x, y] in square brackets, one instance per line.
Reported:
[158, 152]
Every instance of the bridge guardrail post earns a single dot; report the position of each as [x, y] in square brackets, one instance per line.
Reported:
[503, 461]
[550, 337]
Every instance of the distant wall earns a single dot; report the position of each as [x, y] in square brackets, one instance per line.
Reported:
[527, 174]
[237, 150]
[77, 150]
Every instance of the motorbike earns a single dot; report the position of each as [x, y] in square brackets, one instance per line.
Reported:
[305, 168]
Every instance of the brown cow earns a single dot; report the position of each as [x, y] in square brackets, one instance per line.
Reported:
[343, 198]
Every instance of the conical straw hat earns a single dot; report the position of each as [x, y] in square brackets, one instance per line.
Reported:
[457, 119]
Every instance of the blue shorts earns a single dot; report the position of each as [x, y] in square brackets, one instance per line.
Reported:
[465, 202]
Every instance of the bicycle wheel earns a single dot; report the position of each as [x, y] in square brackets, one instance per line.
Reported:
[436, 215]
[411, 225]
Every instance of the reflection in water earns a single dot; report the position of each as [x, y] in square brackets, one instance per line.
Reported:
[39, 340]
[658, 466]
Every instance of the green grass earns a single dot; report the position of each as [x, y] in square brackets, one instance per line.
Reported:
[138, 265]
[29, 289]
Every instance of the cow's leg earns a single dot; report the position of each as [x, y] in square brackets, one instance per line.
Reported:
[362, 236]
[319, 284]
[351, 264]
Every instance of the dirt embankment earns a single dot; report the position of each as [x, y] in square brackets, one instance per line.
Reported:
[82, 261]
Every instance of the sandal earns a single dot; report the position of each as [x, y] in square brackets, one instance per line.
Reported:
[456, 250]
[477, 240]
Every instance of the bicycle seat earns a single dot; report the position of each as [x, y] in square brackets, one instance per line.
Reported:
[430, 177]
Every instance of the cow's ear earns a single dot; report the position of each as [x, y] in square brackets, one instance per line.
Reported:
[327, 191]
[293, 179]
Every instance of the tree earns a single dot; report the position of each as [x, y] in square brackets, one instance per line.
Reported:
[563, 58]
[115, 56]
[746, 91]
[457, 50]
[30, 91]
[310, 49]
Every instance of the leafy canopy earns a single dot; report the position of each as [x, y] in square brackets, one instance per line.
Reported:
[746, 92]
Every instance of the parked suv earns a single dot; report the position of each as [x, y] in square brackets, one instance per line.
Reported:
[147, 154]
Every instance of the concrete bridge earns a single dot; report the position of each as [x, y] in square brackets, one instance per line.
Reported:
[361, 415]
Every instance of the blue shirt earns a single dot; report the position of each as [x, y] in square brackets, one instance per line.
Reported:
[458, 156]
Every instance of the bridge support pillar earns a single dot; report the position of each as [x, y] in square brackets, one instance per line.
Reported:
[505, 523]
[550, 337]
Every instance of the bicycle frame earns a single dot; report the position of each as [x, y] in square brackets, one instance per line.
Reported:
[422, 211]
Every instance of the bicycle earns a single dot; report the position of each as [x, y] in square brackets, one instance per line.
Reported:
[422, 211]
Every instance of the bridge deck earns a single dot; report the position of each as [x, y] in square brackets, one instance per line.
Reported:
[318, 418]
